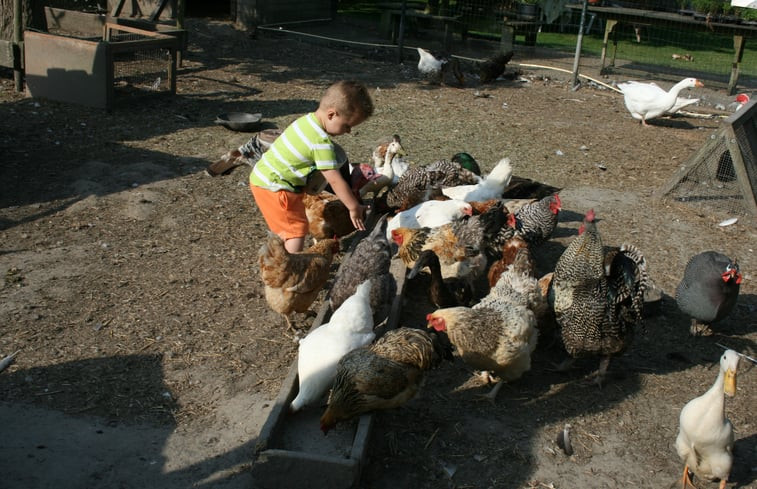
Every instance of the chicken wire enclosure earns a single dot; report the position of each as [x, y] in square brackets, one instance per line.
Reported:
[722, 175]
[139, 64]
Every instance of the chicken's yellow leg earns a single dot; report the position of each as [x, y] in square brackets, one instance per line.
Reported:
[687, 484]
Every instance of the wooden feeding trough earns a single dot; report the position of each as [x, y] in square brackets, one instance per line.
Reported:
[292, 451]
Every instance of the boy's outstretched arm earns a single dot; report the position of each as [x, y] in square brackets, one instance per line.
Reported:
[342, 190]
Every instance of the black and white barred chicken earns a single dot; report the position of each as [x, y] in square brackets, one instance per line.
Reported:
[597, 295]
[535, 222]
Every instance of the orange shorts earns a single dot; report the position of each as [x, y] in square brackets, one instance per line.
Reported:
[283, 211]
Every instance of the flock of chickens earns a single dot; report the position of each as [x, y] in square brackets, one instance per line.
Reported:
[476, 235]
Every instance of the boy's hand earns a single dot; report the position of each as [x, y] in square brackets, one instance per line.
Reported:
[358, 217]
[344, 192]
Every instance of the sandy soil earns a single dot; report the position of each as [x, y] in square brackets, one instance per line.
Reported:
[148, 356]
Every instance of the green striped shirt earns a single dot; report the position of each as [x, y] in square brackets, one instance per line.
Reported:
[300, 150]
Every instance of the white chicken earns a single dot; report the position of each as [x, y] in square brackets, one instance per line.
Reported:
[705, 435]
[350, 327]
[647, 100]
[491, 187]
[429, 214]
[389, 169]
[433, 66]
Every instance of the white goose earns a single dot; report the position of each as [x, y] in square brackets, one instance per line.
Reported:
[390, 168]
[705, 435]
[646, 100]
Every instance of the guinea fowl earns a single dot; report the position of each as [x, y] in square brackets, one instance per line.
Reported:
[492, 68]
[371, 259]
[433, 65]
[646, 100]
[705, 436]
[597, 295]
[708, 290]
[383, 375]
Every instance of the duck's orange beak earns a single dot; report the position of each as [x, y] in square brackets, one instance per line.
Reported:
[729, 387]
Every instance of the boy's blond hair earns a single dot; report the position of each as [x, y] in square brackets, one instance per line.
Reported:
[348, 97]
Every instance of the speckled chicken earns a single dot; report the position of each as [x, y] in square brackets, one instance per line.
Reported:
[518, 285]
[597, 295]
[293, 280]
[383, 375]
[497, 338]
[418, 180]
[708, 290]
[370, 259]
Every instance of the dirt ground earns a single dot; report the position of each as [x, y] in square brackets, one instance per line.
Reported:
[149, 358]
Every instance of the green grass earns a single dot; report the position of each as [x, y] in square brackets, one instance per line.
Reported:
[711, 53]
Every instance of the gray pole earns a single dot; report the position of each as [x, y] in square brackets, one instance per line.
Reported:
[18, 37]
[579, 42]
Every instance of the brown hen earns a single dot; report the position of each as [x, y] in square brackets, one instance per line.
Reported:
[327, 216]
[293, 280]
[383, 375]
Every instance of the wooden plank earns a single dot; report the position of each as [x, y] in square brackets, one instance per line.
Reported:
[7, 58]
[67, 69]
[74, 22]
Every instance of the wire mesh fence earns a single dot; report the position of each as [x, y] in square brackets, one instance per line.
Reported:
[143, 69]
[676, 44]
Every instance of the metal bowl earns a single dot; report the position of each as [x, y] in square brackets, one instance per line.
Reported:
[239, 121]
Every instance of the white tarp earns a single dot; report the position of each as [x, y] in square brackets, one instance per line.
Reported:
[744, 3]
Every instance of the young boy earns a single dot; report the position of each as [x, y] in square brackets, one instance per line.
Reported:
[279, 178]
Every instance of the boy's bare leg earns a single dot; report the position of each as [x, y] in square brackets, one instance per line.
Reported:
[294, 245]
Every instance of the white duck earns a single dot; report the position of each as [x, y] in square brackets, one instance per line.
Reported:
[350, 327]
[389, 166]
[646, 100]
[429, 214]
[705, 435]
[491, 187]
